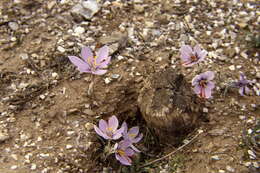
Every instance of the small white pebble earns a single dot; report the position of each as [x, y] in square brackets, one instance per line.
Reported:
[230, 169]
[61, 49]
[251, 154]
[14, 167]
[221, 171]
[242, 117]
[69, 146]
[205, 110]
[249, 131]
[215, 157]
[107, 80]
[120, 57]
[247, 164]
[79, 30]
[232, 67]
[33, 166]
[256, 165]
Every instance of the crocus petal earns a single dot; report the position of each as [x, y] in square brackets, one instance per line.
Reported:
[125, 128]
[209, 75]
[133, 132]
[242, 76]
[207, 92]
[186, 52]
[105, 63]
[124, 160]
[135, 149]
[86, 53]
[210, 85]
[100, 133]
[124, 144]
[129, 152]
[102, 54]
[197, 89]
[202, 55]
[113, 122]
[137, 139]
[81, 65]
[247, 90]
[103, 125]
[197, 49]
[99, 72]
[118, 133]
[241, 91]
[196, 80]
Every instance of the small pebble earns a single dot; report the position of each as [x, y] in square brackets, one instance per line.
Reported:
[232, 67]
[61, 49]
[230, 169]
[215, 157]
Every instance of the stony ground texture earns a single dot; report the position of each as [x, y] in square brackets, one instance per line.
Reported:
[47, 114]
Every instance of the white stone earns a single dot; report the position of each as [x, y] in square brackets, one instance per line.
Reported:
[79, 30]
[61, 49]
[14, 167]
[232, 67]
[215, 157]
[230, 169]
[33, 166]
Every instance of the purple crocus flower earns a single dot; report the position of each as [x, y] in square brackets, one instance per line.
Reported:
[191, 56]
[123, 152]
[242, 84]
[109, 130]
[203, 85]
[132, 136]
[92, 64]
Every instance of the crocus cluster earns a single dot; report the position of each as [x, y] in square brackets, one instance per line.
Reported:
[125, 148]
[89, 63]
[202, 83]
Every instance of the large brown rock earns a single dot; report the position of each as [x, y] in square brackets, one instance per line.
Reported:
[169, 105]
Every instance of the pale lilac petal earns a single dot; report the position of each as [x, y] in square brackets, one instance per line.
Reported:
[196, 80]
[133, 132]
[103, 125]
[100, 133]
[210, 85]
[125, 128]
[129, 152]
[186, 52]
[113, 122]
[81, 65]
[86, 54]
[247, 90]
[202, 55]
[102, 54]
[118, 133]
[135, 149]
[209, 74]
[208, 92]
[123, 160]
[99, 72]
[241, 91]
[105, 63]
[197, 89]
[124, 144]
[137, 139]
[242, 76]
[197, 49]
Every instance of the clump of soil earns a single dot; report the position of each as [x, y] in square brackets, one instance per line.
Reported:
[169, 105]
